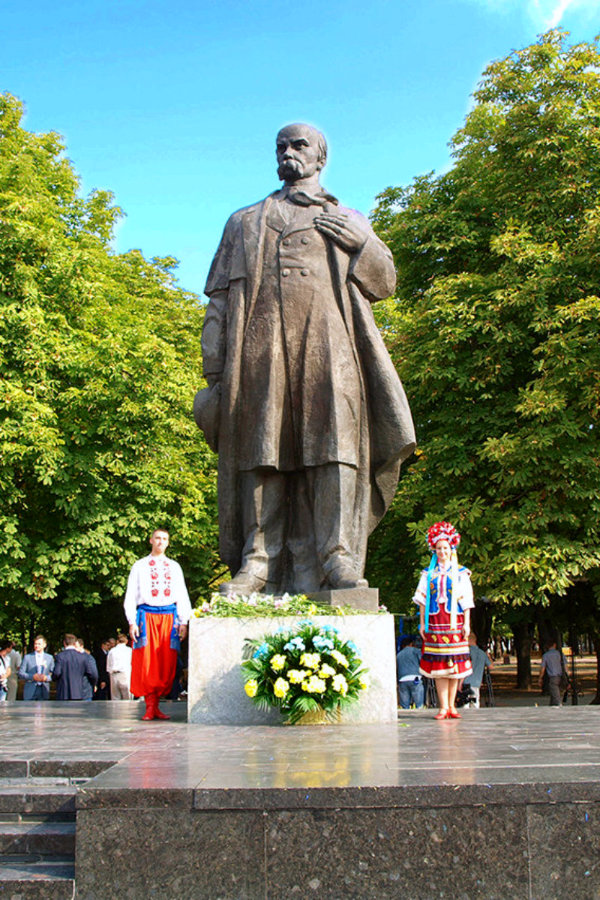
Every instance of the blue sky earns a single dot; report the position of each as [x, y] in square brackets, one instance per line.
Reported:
[174, 104]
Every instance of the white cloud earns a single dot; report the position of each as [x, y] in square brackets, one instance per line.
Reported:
[544, 14]
[550, 12]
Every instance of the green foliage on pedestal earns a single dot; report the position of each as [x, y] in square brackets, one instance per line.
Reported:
[254, 606]
[495, 331]
[99, 362]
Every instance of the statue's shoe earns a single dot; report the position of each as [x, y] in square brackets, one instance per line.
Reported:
[345, 577]
[243, 583]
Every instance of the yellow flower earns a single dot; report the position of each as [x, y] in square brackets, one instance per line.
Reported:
[326, 671]
[278, 662]
[363, 682]
[251, 687]
[340, 684]
[310, 660]
[340, 658]
[296, 676]
[281, 687]
[314, 685]
[318, 686]
[312, 610]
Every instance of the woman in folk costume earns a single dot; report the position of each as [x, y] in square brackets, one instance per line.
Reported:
[445, 598]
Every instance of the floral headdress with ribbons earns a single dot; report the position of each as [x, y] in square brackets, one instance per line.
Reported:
[443, 531]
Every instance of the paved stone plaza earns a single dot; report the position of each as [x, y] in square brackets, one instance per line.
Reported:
[505, 802]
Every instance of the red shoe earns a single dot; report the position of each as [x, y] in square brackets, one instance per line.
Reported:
[443, 714]
[453, 714]
[150, 708]
[158, 714]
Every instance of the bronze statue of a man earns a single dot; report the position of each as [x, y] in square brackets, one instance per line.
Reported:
[304, 405]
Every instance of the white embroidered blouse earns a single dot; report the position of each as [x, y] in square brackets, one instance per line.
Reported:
[157, 581]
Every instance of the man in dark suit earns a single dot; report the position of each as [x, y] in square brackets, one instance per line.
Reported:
[36, 671]
[71, 669]
[100, 656]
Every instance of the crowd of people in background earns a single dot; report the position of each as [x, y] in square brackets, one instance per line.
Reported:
[145, 663]
[106, 674]
[74, 673]
[412, 694]
[411, 683]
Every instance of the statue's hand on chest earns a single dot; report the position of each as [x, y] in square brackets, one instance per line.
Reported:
[347, 233]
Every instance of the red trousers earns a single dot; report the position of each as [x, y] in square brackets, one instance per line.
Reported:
[153, 666]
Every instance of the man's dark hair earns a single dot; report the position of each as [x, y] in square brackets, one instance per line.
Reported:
[5, 645]
[407, 641]
[69, 640]
[160, 528]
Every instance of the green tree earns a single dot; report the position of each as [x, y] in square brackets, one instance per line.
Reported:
[99, 362]
[495, 329]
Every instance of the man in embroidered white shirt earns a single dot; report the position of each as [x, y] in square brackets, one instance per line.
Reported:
[158, 610]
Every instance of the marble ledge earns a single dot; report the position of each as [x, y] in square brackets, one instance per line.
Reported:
[396, 797]
[122, 798]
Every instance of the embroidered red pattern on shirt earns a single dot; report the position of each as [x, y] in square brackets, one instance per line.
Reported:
[160, 578]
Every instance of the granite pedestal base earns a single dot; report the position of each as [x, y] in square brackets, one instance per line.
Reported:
[356, 598]
[502, 803]
[216, 686]
[499, 804]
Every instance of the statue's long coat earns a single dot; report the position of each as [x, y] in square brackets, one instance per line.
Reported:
[386, 433]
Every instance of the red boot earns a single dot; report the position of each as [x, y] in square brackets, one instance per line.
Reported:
[157, 713]
[151, 707]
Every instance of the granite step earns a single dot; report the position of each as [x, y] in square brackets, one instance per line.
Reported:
[35, 877]
[37, 837]
[79, 768]
[27, 798]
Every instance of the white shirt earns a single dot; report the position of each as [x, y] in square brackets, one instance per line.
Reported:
[465, 588]
[157, 581]
[119, 659]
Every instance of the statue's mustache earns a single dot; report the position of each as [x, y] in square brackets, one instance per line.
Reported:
[290, 167]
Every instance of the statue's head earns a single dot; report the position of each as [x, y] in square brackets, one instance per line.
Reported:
[301, 152]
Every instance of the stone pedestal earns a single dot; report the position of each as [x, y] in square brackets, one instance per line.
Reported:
[356, 598]
[216, 684]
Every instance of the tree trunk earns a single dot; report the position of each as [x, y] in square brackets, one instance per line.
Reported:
[596, 640]
[481, 623]
[522, 638]
[547, 631]
[32, 624]
[497, 648]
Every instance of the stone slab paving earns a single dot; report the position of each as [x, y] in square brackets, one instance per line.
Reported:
[503, 802]
[487, 746]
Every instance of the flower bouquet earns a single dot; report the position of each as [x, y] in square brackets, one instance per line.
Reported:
[302, 670]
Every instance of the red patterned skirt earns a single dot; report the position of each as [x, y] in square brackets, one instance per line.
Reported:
[153, 666]
[445, 653]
